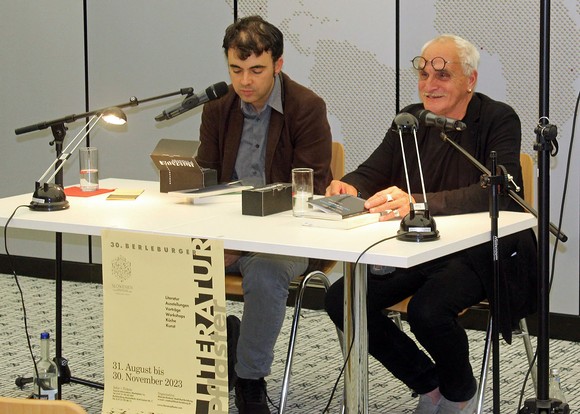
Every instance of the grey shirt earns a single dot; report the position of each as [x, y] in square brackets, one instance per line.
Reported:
[250, 162]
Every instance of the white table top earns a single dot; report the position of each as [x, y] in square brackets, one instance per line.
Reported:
[220, 217]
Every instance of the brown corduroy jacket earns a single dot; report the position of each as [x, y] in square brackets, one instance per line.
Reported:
[300, 137]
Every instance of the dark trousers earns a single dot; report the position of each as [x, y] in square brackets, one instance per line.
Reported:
[441, 289]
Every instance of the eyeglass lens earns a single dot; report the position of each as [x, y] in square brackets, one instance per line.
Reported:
[438, 63]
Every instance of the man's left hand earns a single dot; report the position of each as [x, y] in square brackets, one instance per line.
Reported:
[392, 203]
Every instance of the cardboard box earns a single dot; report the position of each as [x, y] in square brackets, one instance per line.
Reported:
[270, 199]
[178, 169]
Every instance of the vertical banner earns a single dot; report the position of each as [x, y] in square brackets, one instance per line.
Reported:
[164, 324]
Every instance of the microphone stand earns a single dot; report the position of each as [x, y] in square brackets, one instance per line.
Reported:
[545, 134]
[498, 184]
[58, 129]
[543, 404]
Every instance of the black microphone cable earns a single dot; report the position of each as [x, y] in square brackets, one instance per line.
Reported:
[20, 381]
[334, 388]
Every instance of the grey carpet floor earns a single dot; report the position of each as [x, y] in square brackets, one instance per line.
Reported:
[317, 360]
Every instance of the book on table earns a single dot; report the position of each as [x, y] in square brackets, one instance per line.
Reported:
[337, 207]
[212, 190]
[341, 211]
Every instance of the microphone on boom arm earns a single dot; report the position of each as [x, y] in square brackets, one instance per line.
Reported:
[213, 92]
[428, 118]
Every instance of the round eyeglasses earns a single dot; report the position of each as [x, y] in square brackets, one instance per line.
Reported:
[438, 63]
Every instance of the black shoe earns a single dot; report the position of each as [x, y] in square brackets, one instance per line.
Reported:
[233, 330]
[251, 396]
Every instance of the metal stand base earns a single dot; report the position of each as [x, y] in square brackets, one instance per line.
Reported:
[66, 378]
[545, 407]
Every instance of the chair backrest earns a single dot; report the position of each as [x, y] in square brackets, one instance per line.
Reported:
[29, 406]
[337, 160]
[528, 177]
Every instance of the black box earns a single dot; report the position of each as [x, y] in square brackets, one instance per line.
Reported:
[270, 199]
[178, 169]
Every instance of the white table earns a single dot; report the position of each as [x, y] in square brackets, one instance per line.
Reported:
[220, 218]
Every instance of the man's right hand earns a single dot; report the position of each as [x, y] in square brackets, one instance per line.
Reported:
[339, 187]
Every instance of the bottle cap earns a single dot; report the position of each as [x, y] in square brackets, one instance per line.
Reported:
[44, 335]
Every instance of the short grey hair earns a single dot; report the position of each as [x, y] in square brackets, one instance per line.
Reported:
[467, 52]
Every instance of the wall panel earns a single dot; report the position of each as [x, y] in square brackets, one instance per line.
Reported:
[343, 50]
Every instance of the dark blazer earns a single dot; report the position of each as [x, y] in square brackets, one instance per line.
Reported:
[300, 137]
[452, 186]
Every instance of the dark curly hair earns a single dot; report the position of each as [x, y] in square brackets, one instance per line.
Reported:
[253, 35]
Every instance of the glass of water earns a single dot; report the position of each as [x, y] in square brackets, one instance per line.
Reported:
[89, 168]
[302, 190]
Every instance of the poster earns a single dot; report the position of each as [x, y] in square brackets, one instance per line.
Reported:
[165, 347]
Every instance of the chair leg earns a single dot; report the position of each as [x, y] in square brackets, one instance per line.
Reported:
[297, 308]
[484, 367]
[396, 317]
[523, 333]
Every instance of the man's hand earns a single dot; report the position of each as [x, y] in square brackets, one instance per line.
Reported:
[339, 187]
[391, 203]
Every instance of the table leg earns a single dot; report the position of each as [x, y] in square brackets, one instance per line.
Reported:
[355, 339]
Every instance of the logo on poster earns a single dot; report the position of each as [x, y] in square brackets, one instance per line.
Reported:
[121, 268]
[121, 271]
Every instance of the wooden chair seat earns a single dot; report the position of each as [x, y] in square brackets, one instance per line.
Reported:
[10, 405]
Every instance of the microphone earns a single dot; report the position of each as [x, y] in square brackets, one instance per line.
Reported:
[213, 92]
[418, 225]
[446, 124]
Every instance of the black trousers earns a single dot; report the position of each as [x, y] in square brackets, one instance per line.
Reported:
[441, 289]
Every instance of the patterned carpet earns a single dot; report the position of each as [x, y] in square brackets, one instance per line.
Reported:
[317, 360]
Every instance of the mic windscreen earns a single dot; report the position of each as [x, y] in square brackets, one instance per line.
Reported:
[217, 90]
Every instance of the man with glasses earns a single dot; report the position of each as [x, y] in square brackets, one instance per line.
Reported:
[441, 289]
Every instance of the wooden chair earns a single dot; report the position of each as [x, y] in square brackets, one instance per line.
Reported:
[528, 177]
[317, 269]
[395, 311]
[337, 161]
[29, 406]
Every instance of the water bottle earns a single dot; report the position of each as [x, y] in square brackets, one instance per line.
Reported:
[45, 377]
[555, 388]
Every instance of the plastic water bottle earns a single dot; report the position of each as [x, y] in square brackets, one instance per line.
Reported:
[555, 388]
[45, 378]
